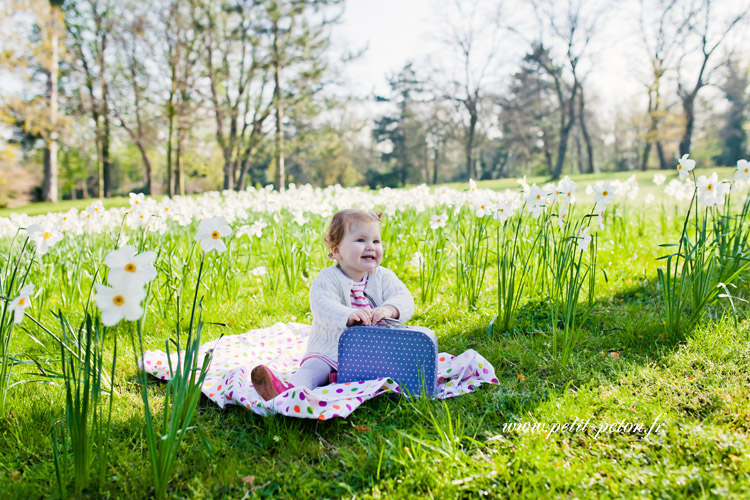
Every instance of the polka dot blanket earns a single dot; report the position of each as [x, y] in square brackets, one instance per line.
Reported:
[281, 347]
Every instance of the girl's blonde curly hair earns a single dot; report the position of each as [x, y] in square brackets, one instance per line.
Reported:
[342, 221]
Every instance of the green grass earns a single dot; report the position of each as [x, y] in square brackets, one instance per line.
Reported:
[622, 370]
[41, 208]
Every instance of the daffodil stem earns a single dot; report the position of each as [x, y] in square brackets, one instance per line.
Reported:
[195, 299]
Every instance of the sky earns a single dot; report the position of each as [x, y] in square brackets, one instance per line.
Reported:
[396, 31]
[392, 32]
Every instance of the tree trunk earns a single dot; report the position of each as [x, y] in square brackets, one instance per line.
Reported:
[645, 155]
[662, 160]
[562, 150]
[688, 105]
[180, 166]
[471, 107]
[106, 162]
[99, 155]
[170, 130]
[436, 163]
[279, 140]
[579, 155]
[49, 187]
[147, 165]
[590, 167]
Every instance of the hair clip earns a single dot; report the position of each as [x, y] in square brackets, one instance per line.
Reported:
[374, 214]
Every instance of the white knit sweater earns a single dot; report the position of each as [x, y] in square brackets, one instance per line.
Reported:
[331, 306]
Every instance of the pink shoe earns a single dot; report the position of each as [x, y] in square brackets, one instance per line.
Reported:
[332, 377]
[266, 383]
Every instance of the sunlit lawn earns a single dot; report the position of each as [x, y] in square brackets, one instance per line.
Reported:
[622, 370]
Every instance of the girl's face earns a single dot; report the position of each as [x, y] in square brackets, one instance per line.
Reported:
[360, 251]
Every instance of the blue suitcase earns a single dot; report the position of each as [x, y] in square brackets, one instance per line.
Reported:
[407, 354]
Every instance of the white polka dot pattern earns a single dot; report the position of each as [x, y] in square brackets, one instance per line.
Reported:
[406, 354]
[281, 347]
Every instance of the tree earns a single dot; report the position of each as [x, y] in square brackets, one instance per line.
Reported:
[736, 89]
[708, 31]
[237, 66]
[131, 96]
[298, 32]
[402, 131]
[474, 33]
[38, 114]
[89, 24]
[572, 30]
[528, 133]
[663, 28]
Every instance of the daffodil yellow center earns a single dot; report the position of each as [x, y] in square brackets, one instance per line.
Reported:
[747, 170]
[679, 167]
[166, 209]
[710, 187]
[539, 196]
[22, 301]
[605, 193]
[118, 300]
[47, 235]
[130, 267]
[215, 235]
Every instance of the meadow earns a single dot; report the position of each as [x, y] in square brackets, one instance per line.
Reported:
[616, 325]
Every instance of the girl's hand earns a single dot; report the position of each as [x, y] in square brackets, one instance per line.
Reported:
[360, 316]
[387, 311]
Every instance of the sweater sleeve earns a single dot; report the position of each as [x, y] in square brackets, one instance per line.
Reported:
[325, 304]
[397, 295]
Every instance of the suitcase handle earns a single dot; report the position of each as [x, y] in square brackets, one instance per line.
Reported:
[389, 322]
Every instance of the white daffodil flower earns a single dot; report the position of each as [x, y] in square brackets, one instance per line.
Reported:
[659, 179]
[416, 260]
[439, 220]
[124, 265]
[562, 215]
[44, 235]
[743, 171]
[96, 209]
[524, 185]
[684, 166]
[122, 301]
[503, 210]
[472, 186]
[209, 234]
[566, 190]
[584, 238]
[256, 229]
[600, 220]
[136, 199]
[537, 210]
[18, 305]
[649, 198]
[537, 197]
[482, 208]
[604, 194]
[710, 191]
[259, 271]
